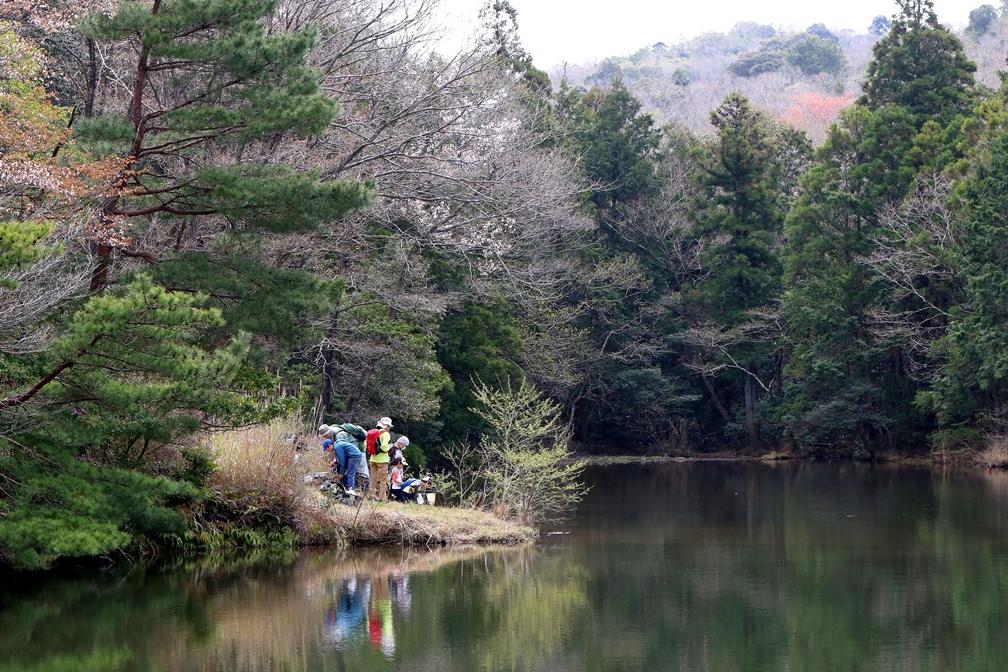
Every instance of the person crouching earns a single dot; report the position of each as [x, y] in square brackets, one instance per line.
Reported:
[346, 459]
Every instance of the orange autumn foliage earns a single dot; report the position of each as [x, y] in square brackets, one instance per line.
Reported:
[814, 112]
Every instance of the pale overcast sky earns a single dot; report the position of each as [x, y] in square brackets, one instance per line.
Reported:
[555, 31]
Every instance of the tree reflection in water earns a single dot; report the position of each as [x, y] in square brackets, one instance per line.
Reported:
[715, 567]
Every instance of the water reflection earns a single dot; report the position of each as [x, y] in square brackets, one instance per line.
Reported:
[716, 567]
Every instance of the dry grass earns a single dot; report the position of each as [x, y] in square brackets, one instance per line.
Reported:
[257, 469]
[995, 455]
[259, 476]
[262, 457]
[416, 525]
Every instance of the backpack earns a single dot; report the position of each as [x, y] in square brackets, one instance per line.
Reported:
[372, 440]
[356, 431]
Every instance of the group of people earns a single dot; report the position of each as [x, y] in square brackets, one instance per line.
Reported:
[369, 461]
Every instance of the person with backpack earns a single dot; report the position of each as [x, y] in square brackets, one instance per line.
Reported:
[347, 459]
[377, 442]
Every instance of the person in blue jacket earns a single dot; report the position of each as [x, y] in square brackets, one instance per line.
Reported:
[346, 457]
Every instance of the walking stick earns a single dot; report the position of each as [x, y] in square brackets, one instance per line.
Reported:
[360, 500]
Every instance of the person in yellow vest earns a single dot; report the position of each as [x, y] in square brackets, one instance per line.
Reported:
[379, 461]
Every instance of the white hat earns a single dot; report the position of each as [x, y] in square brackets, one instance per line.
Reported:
[385, 422]
[324, 429]
[403, 441]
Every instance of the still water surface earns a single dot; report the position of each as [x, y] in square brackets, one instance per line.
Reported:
[706, 566]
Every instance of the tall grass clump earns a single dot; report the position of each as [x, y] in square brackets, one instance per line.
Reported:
[995, 454]
[256, 495]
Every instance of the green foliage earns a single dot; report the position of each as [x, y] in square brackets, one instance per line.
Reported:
[755, 63]
[57, 506]
[501, 23]
[813, 52]
[973, 377]
[20, 242]
[880, 25]
[681, 77]
[814, 55]
[740, 211]
[834, 366]
[919, 65]
[618, 144]
[821, 31]
[523, 465]
[197, 468]
[476, 343]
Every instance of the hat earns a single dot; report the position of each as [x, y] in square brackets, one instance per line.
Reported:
[385, 422]
[403, 441]
[324, 429]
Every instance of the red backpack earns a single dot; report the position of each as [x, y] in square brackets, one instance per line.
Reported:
[372, 439]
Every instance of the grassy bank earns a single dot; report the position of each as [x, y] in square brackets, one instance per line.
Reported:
[257, 497]
[412, 525]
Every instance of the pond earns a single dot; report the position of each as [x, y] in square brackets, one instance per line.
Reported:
[684, 566]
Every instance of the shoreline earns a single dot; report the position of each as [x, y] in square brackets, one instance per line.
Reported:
[413, 525]
[970, 462]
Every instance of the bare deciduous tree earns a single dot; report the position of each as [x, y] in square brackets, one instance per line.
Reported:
[914, 251]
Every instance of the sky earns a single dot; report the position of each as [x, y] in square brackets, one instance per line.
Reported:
[575, 31]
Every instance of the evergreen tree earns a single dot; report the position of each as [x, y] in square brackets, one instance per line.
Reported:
[129, 373]
[919, 65]
[973, 377]
[228, 92]
[740, 212]
[500, 21]
[148, 358]
[836, 373]
[981, 19]
[618, 144]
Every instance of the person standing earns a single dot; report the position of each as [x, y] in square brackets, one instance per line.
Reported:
[396, 451]
[378, 444]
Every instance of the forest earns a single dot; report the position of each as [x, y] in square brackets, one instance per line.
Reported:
[215, 213]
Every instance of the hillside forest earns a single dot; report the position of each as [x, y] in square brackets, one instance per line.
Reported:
[214, 213]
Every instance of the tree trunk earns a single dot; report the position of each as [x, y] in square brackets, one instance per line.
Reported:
[751, 411]
[717, 402]
[328, 367]
[92, 79]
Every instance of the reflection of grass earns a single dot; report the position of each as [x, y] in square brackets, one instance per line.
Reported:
[279, 624]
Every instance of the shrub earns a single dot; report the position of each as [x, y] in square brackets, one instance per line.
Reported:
[522, 468]
[257, 490]
[814, 55]
[756, 63]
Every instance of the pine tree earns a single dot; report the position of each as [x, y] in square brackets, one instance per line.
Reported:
[837, 375]
[919, 65]
[199, 191]
[740, 212]
[228, 93]
[973, 377]
[129, 373]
